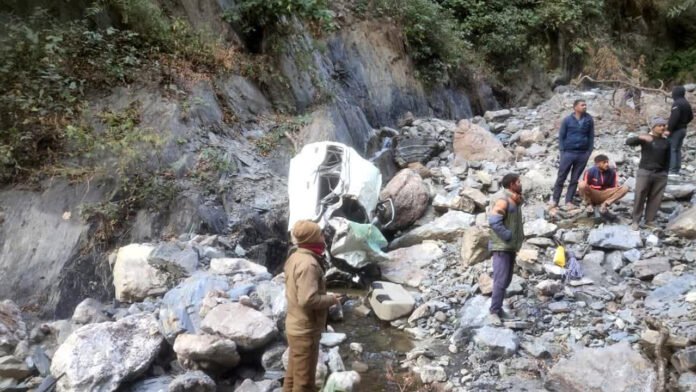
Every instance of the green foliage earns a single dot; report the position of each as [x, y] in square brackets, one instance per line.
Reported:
[677, 10]
[253, 14]
[679, 66]
[290, 126]
[433, 37]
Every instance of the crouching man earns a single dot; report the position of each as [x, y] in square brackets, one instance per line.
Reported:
[600, 187]
[507, 235]
[308, 304]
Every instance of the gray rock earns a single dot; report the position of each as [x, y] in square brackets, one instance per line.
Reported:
[102, 356]
[539, 228]
[687, 382]
[632, 255]
[89, 311]
[497, 115]
[331, 339]
[474, 312]
[548, 288]
[13, 367]
[614, 260]
[616, 368]
[536, 348]
[232, 266]
[343, 381]
[200, 351]
[685, 224]
[272, 358]
[12, 328]
[195, 381]
[619, 237]
[684, 359]
[680, 191]
[473, 143]
[475, 245]
[559, 307]
[410, 197]
[247, 327]
[174, 258]
[180, 310]
[430, 374]
[648, 268]
[407, 265]
[158, 384]
[448, 227]
[496, 342]
[574, 237]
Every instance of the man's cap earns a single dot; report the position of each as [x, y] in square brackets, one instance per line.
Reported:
[657, 120]
[306, 232]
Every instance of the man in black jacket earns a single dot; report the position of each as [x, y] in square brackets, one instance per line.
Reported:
[651, 179]
[680, 116]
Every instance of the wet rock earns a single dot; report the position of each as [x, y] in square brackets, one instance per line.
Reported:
[616, 368]
[448, 227]
[13, 367]
[410, 197]
[430, 374]
[195, 381]
[89, 311]
[539, 228]
[247, 327]
[475, 245]
[648, 268]
[181, 306]
[101, 356]
[685, 224]
[332, 339]
[195, 351]
[406, 265]
[619, 237]
[134, 278]
[232, 266]
[12, 328]
[174, 258]
[473, 143]
[496, 342]
[684, 359]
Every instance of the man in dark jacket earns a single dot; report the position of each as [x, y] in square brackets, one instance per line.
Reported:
[600, 187]
[576, 142]
[507, 235]
[680, 116]
[651, 179]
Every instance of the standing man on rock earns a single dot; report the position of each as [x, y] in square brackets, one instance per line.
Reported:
[600, 187]
[308, 304]
[651, 179]
[576, 142]
[679, 117]
[507, 235]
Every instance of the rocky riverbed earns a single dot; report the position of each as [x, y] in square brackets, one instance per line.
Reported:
[200, 313]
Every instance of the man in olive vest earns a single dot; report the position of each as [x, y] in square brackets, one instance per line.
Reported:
[507, 234]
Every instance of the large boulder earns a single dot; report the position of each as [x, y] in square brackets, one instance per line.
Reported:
[685, 224]
[475, 245]
[177, 259]
[448, 227]
[617, 368]
[473, 143]
[12, 328]
[410, 196]
[99, 357]
[619, 237]
[180, 309]
[202, 351]
[405, 265]
[247, 327]
[134, 278]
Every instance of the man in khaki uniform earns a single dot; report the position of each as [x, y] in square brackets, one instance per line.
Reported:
[308, 304]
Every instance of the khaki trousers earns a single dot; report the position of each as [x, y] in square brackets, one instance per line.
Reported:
[598, 197]
[302, 364]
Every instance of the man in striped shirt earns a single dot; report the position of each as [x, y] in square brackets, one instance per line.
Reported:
[600, 186]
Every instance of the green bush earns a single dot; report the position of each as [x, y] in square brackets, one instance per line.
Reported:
[678, 66]
[253, 14]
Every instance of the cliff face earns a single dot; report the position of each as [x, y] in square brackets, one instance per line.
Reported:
[344, 85]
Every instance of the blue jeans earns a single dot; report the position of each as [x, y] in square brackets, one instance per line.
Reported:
[502, 276]
[676, 139]
[572, 162]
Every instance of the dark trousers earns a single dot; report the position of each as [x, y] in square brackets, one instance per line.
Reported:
[676, 140]
[300, 375]
[650, 187]
[502, 276]
[572, 162]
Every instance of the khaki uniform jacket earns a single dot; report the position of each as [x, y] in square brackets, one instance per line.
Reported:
[305, 290]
